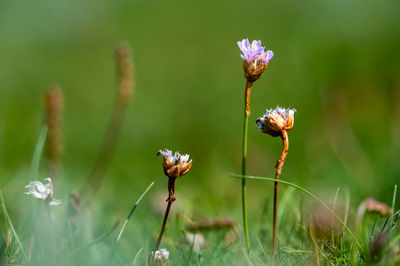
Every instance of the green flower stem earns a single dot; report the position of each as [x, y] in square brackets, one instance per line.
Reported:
[244, 198]
[244, 156]
[309, 194]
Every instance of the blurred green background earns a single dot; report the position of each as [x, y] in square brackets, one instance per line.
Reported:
[336, 62]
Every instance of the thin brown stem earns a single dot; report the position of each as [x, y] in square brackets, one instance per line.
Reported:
[124, 94]
[279, 164]
[249, 85]
[171, 198]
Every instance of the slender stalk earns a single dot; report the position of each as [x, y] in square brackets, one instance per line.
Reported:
[309, 194]
[279, 165]
[37, 154]
[333, 208]
[133, 209]
[53, 102]
[124, 95]
[171, 198]
[5, 213]
[244, 157]
[314, 240]
[393, 212]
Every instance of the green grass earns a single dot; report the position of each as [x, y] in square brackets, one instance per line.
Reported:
[56, 243]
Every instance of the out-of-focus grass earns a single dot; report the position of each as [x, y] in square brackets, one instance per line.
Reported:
[336, 62]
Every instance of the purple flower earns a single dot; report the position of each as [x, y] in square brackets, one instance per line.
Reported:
[254, 51]
[255, 59]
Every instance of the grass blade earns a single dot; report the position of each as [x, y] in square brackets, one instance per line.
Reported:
[309, 194]
[97, 240]
[333, 209]
[3, 205]
[314, 241]
[134, 263]
[133, 209]
[37, 154]
[393, 211]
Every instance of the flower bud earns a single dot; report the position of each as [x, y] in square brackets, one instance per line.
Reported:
[176, 165]
[255, 59]
[275, 121]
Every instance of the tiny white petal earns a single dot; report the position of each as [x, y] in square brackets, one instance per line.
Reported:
[54, 202]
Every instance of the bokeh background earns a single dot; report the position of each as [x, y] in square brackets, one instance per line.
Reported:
[336, 62]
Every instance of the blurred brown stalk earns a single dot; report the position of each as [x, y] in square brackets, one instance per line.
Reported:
[124, 95]
[54, 104]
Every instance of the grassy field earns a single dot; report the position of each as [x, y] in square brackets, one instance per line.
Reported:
[336, 63]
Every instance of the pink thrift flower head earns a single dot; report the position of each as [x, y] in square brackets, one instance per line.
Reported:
[377, 207]
[275, 121]
[255, 59]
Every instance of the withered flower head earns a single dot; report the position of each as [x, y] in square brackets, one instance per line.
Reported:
[176, 165]
[377, 207]
[255, 59]
[276, 120]
[373, 206]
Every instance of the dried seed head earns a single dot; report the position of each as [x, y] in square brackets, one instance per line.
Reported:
[54, 102]
[210, 224]
[377, 207]
[255, 59]
[176, 165]
[275, 121]
[125, 72]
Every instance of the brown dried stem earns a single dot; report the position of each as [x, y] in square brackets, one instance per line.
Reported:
[124, 95]
[249, 85]
[170, 200]
[279, 165]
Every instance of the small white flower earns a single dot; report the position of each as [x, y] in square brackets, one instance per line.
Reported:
[161, 255]
[43, 191]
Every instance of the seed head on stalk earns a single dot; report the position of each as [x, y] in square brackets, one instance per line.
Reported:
[175, 166]
[276, 122]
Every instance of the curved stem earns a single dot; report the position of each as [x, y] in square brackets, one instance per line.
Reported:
[244, 156]
[279, 165]
[171, 198]
[309, 194]
[5, 213]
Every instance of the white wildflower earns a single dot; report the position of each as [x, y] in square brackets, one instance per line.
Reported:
[43, 191]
